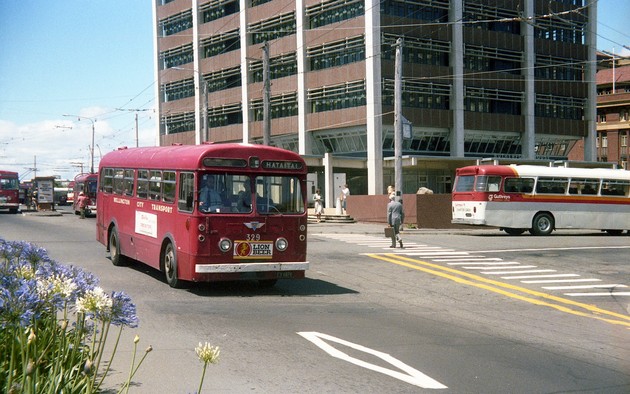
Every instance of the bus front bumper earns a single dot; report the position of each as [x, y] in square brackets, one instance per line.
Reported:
[250, 267]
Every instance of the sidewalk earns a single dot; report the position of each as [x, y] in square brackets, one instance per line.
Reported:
[377, 229]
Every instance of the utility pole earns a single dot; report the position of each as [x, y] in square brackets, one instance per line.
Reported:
[266, 96]
[206, 137]
[136, 110]
[398, 120]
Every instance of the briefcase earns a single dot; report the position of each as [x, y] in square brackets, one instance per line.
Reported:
[389, 232]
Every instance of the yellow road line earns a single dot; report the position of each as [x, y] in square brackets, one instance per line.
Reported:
[498, 287]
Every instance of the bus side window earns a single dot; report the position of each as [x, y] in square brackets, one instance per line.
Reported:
[155, 185]
[168, 186]
[143, 184]
[186, 190]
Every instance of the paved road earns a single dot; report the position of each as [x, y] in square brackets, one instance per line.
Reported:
[369, 319]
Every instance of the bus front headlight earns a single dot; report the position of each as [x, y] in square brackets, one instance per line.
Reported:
[282, 244]
[225, 244]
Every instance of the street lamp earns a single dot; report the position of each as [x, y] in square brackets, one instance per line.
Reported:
[92, 150]
[205, 99]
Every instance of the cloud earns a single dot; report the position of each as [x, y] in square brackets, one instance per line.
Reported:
[59, 147]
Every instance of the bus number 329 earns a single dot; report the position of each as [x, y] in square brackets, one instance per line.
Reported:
[210, 212]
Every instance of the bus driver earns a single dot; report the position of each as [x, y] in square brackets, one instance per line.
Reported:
[209, 198]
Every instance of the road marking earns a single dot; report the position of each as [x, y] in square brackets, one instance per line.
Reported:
[620, 294]
[518, 272]
[548, 249]
[583, 287]
[411, 375]
[486, 268]
[480, 264]
[559, 280]
[509, 290]
[486, 265]
[539, 276]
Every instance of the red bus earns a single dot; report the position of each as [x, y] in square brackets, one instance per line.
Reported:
[210, 212]
[86, 183]
[9, 191]
[538, 199]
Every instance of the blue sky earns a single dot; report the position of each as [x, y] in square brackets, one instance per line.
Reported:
[94, 57]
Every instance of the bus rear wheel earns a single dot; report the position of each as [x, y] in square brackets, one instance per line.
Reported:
[514, 231]
[542, 224]
[114, 249]
[169, 266]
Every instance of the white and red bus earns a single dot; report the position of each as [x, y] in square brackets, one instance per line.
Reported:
[86, 183]
[538, 199]
[210, 212]
[9, 191]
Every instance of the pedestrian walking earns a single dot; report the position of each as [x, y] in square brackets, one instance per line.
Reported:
[395, 218]
[82, 203]
[319, 205]
[345, 192]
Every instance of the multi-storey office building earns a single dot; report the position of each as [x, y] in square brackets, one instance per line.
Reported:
[503, 79]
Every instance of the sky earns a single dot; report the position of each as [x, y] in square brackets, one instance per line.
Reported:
[93, 60]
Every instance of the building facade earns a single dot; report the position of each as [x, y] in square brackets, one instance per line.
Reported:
[506, 79]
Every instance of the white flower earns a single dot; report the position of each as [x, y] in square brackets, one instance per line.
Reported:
[94, 301]
[207, 353]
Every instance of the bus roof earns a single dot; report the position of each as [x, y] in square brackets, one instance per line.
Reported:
[8, 173]
[531, 170]
[190, 157]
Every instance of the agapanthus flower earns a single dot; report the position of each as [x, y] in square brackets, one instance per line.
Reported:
[95, 303]
[207, 353]
[123, 311]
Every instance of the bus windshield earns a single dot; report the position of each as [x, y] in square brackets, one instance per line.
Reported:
[9, 183]
[230, 193]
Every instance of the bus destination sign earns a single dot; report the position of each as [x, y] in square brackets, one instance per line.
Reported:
[281, 165]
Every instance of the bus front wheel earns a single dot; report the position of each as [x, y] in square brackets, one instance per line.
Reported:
[542, 224]
[169, 266]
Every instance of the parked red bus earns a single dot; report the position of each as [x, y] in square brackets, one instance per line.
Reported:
[86, 183]
[210, 212]
[538, 199]
[9, 191]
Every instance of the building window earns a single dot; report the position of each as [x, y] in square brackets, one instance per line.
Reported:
[563, 107]
[430, 10]
[480, 58]
[271, 29]
[329, 98]
[558, 68]
[225, 115]
[279, 66]
[218, 9]
[417, 50]
[178, 90]
[176, 23]
[223, 79]
[333, 11]
[173, 124]
[336, 53]
[490, 17]
[418, 94]
[177, 56]
[569, 28]
[494, 101]
[221, 43]
[281, 106]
